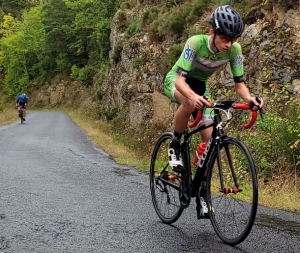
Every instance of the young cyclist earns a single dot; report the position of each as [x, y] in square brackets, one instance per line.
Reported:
[186, 83]
[22, 102]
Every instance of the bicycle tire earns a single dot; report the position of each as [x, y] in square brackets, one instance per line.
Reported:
[232, 210]
[21, 116]
[164, 182]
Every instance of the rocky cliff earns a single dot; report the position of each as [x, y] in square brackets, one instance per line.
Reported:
[132, 91]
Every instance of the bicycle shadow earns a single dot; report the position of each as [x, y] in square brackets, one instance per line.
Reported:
[188, 239]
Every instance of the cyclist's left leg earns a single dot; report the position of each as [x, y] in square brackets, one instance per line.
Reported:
[201, 200]
[24, 113]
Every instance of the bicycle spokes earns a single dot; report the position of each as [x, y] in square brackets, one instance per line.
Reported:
[232, 192]
[164, 183]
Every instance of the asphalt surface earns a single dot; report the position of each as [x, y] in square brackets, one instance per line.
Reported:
[58, 193]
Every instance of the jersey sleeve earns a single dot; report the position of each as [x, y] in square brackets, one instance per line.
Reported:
[188, 54]
[236, 60]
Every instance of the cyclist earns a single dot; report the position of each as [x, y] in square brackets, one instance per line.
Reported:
[22, 102]
[186, 83]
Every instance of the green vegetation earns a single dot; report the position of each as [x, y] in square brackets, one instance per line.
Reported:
[41, 39]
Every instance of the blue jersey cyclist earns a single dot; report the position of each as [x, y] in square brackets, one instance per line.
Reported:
[186, 83]
[22, 100]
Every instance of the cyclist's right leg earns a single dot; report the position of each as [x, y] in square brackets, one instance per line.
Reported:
[201, 198]
[181, 119]
[24, 113]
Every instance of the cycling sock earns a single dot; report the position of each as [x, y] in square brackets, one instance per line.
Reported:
[177, 136]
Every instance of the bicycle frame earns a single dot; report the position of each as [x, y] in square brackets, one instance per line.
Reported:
[22, 111]
[214, 142]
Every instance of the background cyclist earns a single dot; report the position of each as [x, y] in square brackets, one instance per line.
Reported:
[22, 102]
[186, 82]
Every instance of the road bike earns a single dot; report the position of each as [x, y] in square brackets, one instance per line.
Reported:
[22, 113]
[232, 187]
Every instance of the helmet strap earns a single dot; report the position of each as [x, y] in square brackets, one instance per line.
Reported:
[214, 43]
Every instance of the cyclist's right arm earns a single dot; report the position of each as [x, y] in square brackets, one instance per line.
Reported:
[185, 90]
[183, 66]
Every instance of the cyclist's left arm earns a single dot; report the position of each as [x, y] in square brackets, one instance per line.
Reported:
[237, 68]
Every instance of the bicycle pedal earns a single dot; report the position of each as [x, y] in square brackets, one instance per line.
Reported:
[201, 214]
[178, 169]
[200, 217]
[204, 208]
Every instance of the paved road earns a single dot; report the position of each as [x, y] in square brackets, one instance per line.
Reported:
[58, 193]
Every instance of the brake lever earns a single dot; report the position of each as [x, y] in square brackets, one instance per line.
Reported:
[261, 112]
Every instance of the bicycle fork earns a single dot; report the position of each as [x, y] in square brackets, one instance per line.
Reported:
[185, 185]
[224, 189]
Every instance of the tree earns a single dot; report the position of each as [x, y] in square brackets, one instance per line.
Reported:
[13, 7]
[22, 50]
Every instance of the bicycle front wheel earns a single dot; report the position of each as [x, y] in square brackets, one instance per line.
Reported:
[232, 192]
[22, 116]
[164, 182]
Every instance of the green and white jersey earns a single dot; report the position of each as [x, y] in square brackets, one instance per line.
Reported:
[200, 62]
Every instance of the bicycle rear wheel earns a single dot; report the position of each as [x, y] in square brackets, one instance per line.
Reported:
[22, 116]
[164, 182]
[232, 192]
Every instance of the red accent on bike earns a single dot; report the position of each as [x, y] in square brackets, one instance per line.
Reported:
[199, 116]
[252, 121]
[200, 149]
[226, 190]
[235, 190]
[241, 106]
[197, 120]
[172, 177]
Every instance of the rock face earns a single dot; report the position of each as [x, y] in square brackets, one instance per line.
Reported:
[132, 92]
[134, 83]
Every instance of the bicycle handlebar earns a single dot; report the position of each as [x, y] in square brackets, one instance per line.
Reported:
[225, 105]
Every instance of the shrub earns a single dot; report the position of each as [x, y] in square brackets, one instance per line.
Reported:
[133, 28]
[74, 72]
[86, 75]
[117, 51]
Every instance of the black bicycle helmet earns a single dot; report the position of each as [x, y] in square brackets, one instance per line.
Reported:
[227, 21]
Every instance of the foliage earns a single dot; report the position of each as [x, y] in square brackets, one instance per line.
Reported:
[86, 75]
[150, 15]
[133, 28]
[13, 7]
[111, 113]
[174, 52]
[197, 10]
[169, 23]
[117, 51]
[22, 47]
[39, 39]
[275, 141]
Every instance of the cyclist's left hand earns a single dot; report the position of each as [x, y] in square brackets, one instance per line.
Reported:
[257, 102]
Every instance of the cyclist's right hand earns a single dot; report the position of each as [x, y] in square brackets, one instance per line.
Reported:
[200, 101]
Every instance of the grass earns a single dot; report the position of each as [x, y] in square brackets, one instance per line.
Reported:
[8, 116]
[286, 197]
[101, 136]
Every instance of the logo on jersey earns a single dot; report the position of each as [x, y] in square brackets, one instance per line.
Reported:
[188, 53]
[239, 61]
